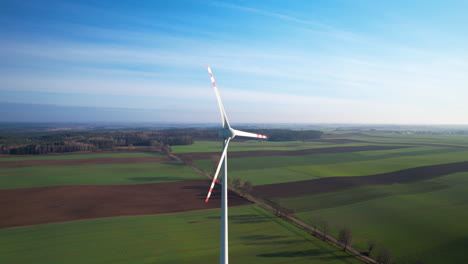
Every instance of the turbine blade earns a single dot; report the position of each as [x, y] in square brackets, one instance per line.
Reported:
[239, 133]
[220, 103]
[223, 156]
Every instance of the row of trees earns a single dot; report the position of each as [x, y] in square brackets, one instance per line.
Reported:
[381, 254]
[321, 227]
[280, 210]
[243, 187]
[345, 237]
[236, 183]
[273, 134]
[49, 142]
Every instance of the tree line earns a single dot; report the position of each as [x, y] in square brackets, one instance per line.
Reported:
[273, 134]
[321, 228]
[380, 253]
[33, 143]
[60, 142]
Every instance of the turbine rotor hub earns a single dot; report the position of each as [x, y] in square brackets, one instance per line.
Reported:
[226, 133]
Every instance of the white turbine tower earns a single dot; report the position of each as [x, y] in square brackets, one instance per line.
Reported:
[227, 133]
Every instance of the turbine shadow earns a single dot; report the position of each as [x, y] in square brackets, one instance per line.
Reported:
[152, 178]
[244, 219]
[269, 240]
[261, 237]
[278, 242]
[198, 187]
[293, 254]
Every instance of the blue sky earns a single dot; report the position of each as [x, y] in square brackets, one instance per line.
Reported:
[401, 62]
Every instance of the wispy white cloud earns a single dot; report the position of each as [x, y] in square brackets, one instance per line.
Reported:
[302, 25]
[273, 14]
[350, 78]
[372, 77]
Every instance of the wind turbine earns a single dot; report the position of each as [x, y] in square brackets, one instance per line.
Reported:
[228, 133]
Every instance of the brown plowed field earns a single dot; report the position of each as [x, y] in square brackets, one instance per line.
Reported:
[78, 162]
[259, 153]
[73, 153]
[33, 206]
[332, 184]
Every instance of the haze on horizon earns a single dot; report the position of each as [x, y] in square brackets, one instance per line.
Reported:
[274, 61]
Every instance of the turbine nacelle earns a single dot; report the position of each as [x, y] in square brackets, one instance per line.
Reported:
[226, 133]
[232, 133]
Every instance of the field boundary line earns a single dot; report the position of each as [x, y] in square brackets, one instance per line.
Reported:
[296, 222]
[107, 217]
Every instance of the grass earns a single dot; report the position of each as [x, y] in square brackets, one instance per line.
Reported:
[378, 164]
[424, 220]
[278, 169]
[82, 156]
[198, 146]
[455, 140]
[27, 177]
[256, 236]
[252, 145]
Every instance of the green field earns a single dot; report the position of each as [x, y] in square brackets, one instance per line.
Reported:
[455, 140]
[420, 220]
[252, 145]
[278, 169]
[423, 220]
[39, 176]
[256, 236]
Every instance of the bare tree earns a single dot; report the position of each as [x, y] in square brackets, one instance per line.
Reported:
[384, 256]
[276, 206]
[316, 223]
[188, 160]
[345, 236]
[155, 146]
[325, 228]
[166, 149]
[237, 183]
[247, 187]
[370, 246]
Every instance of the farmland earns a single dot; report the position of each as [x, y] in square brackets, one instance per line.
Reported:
[406, 192]
[135, 173]
[421, 216]
[71, 156]
[33, 206]
[252, 145]
[122, 208]
[256, 237]
[421, 220]
[267, 170]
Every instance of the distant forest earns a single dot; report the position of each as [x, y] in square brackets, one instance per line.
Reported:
[35, 143]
